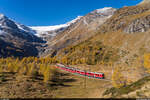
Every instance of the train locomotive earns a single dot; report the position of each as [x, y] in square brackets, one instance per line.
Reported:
[80, 72]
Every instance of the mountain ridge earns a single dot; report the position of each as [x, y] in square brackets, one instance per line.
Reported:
[17, 39]
[79, 31]
[121, 36]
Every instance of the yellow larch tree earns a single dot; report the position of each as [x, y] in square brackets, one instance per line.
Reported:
[118, 80]
[147, 61]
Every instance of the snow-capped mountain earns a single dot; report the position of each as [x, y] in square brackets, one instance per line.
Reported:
[20, 40]
[52, 30]
[17, 39]
[83, 29]
[25, 28]
[11, 28]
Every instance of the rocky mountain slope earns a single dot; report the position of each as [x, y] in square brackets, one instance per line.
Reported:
[81, 30]
[17, 39]
[113, 39]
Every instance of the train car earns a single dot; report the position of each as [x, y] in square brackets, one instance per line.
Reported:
[58, 67]
[68, 69]
[78, 71]
[83, 73]
[102, 75]
[73, 70]
[63, 68]
[99, 75]
[87, 73]
[90, 74]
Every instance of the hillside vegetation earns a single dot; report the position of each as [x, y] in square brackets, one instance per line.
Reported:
[138, 89]
[112, 41]
[89, 52]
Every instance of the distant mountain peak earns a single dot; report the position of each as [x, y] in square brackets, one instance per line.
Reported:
[74, 20]
[104, 11]
[2, 15]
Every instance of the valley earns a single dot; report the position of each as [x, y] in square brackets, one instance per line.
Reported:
[113, 42]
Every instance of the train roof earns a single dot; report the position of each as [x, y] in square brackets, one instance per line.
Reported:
[77, 69]
[99, 73]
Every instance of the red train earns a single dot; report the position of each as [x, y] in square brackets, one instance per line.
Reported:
[80, 72]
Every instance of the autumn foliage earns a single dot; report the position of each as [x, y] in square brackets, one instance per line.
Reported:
[147, 61]
[118, 80]
[30, 66]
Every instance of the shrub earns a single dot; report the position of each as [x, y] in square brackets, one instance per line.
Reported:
[118, 79]
[147, 61]
[33, 70]
[47, 75]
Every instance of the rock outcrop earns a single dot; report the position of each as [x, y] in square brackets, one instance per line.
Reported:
[17, 40]
[84, 28]
[138, 25]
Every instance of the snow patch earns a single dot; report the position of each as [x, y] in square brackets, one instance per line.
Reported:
[25, 29]
[2, 32]
[55, 27]
[45, 29]
[103, 10]
[1, 16]
[48, 28]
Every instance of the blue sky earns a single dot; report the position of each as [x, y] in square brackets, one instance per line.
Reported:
[53, 12]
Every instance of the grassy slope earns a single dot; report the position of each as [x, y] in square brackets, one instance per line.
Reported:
[138, 85]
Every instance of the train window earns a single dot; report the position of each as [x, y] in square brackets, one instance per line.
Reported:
[96, 75]
[70, 70]
[79, 72]
[73, 70]
[86, 73]
[101, 75]
[83, 73]
[92, 74]
[66, 69]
